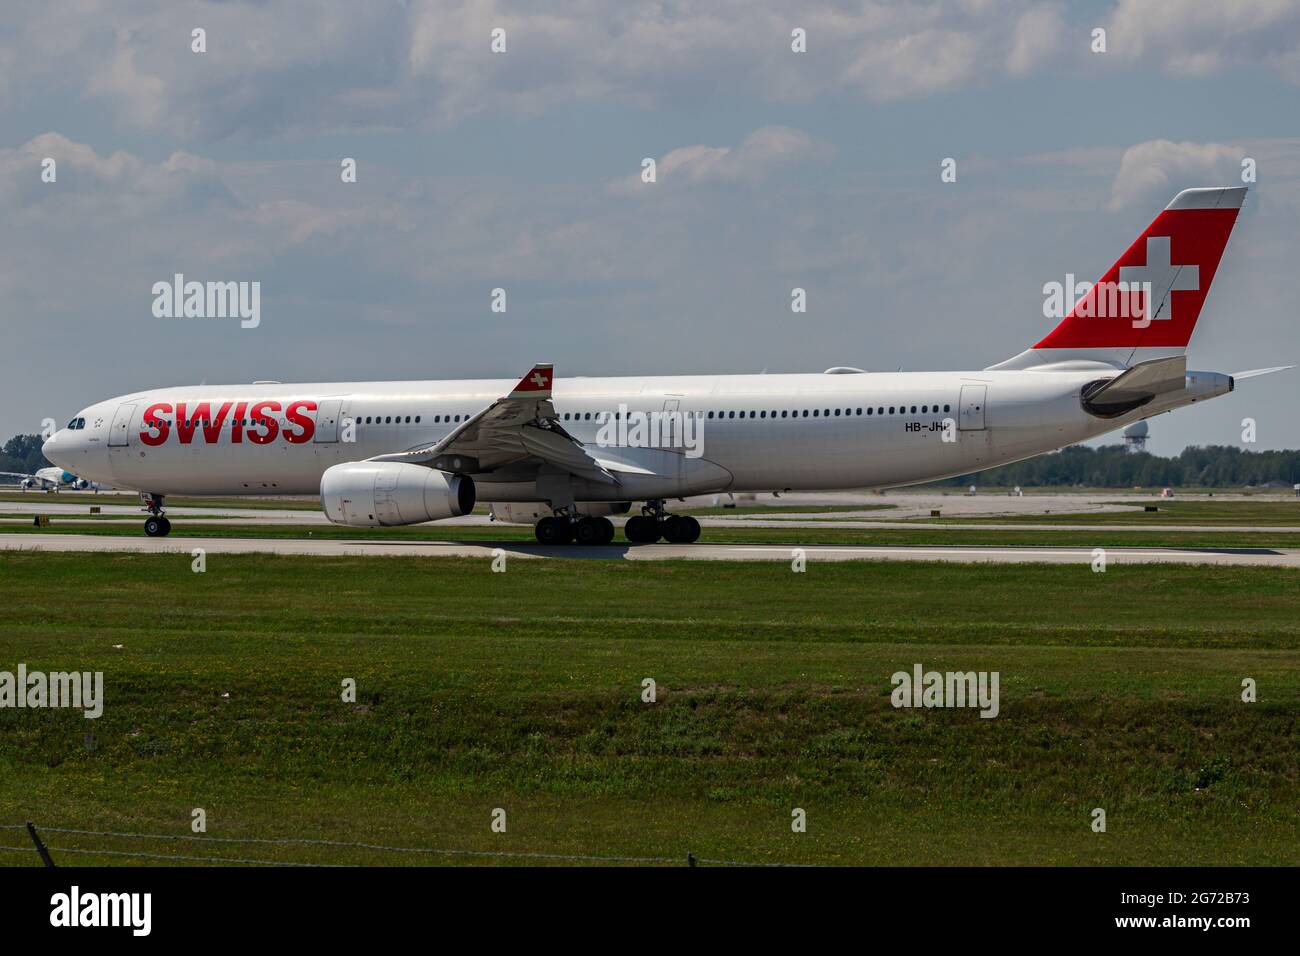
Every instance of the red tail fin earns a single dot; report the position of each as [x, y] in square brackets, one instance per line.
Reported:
[1175, 258]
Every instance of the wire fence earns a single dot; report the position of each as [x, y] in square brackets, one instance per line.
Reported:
[39, 845]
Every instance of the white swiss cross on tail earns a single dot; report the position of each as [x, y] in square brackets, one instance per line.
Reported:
[1165, 278]
[536, 383]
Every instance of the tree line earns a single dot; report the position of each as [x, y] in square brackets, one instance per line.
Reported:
[22, 453]
[1114, 466]
[1110, 466]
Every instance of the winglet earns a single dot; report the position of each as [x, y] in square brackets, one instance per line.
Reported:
[536, 383]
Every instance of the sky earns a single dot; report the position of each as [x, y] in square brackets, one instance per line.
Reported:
[521, 170]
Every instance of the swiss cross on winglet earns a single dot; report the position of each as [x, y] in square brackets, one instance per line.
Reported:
[537, 383]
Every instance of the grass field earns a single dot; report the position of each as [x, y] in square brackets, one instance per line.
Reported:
[922, 535]
[522, 691]
[173, 501]
[1221, 511]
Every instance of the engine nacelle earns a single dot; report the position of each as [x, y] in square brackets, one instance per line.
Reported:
[530, 512]
[369, 494]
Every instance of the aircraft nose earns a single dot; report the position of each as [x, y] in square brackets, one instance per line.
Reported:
[50, 449]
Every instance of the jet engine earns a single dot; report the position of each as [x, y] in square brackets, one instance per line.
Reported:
[369, 494]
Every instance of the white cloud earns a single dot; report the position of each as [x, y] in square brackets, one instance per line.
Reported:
[761, 152]
[322, 65]
[1196, 38]
[1154, 171]
[1036, 39]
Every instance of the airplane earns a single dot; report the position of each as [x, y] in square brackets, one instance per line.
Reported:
[49, 479]
[565, 455]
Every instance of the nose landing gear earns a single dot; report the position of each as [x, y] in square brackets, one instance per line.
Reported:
[156, 525]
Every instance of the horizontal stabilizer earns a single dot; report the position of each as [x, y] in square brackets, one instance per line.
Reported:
[1136, 386]
[1256, 372]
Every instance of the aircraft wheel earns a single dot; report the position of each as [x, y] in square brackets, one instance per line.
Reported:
[675, 529]
[641, 529]
[589, 531]
[551, 531]
[154, 527]
[691, 529]
[606, 530]
[166, 526]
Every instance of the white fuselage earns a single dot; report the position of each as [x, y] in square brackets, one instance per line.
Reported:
[755, 432]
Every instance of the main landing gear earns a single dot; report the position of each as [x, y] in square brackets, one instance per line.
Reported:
[646, 528]
[655, 523]
[156, 525]
[565, 529]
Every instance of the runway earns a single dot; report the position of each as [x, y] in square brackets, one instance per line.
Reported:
[114, 514]
[177, 544]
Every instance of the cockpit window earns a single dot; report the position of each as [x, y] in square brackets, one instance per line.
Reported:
[76, 424]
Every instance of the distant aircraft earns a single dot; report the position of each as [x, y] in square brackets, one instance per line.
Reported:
[567, 454]
[50, 479]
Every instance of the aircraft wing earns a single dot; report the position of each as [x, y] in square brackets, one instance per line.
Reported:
[18, 474]
[520, 426]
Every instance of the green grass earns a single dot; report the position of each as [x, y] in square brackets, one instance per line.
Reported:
[1171, 512]
[782, 510]
[521, 690]
[924, 535]
[179, 501]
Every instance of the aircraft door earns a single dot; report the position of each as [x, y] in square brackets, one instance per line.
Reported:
[119, 433]
[671, 438]
[971, 408]
[328, 414]
[670, 425]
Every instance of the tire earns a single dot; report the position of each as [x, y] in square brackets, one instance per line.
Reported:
[675, 530]
[153, 526]
[589, 532]
[166, 527]
[692, 529]
[549, 531]
[606, 530]
[641, 529]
